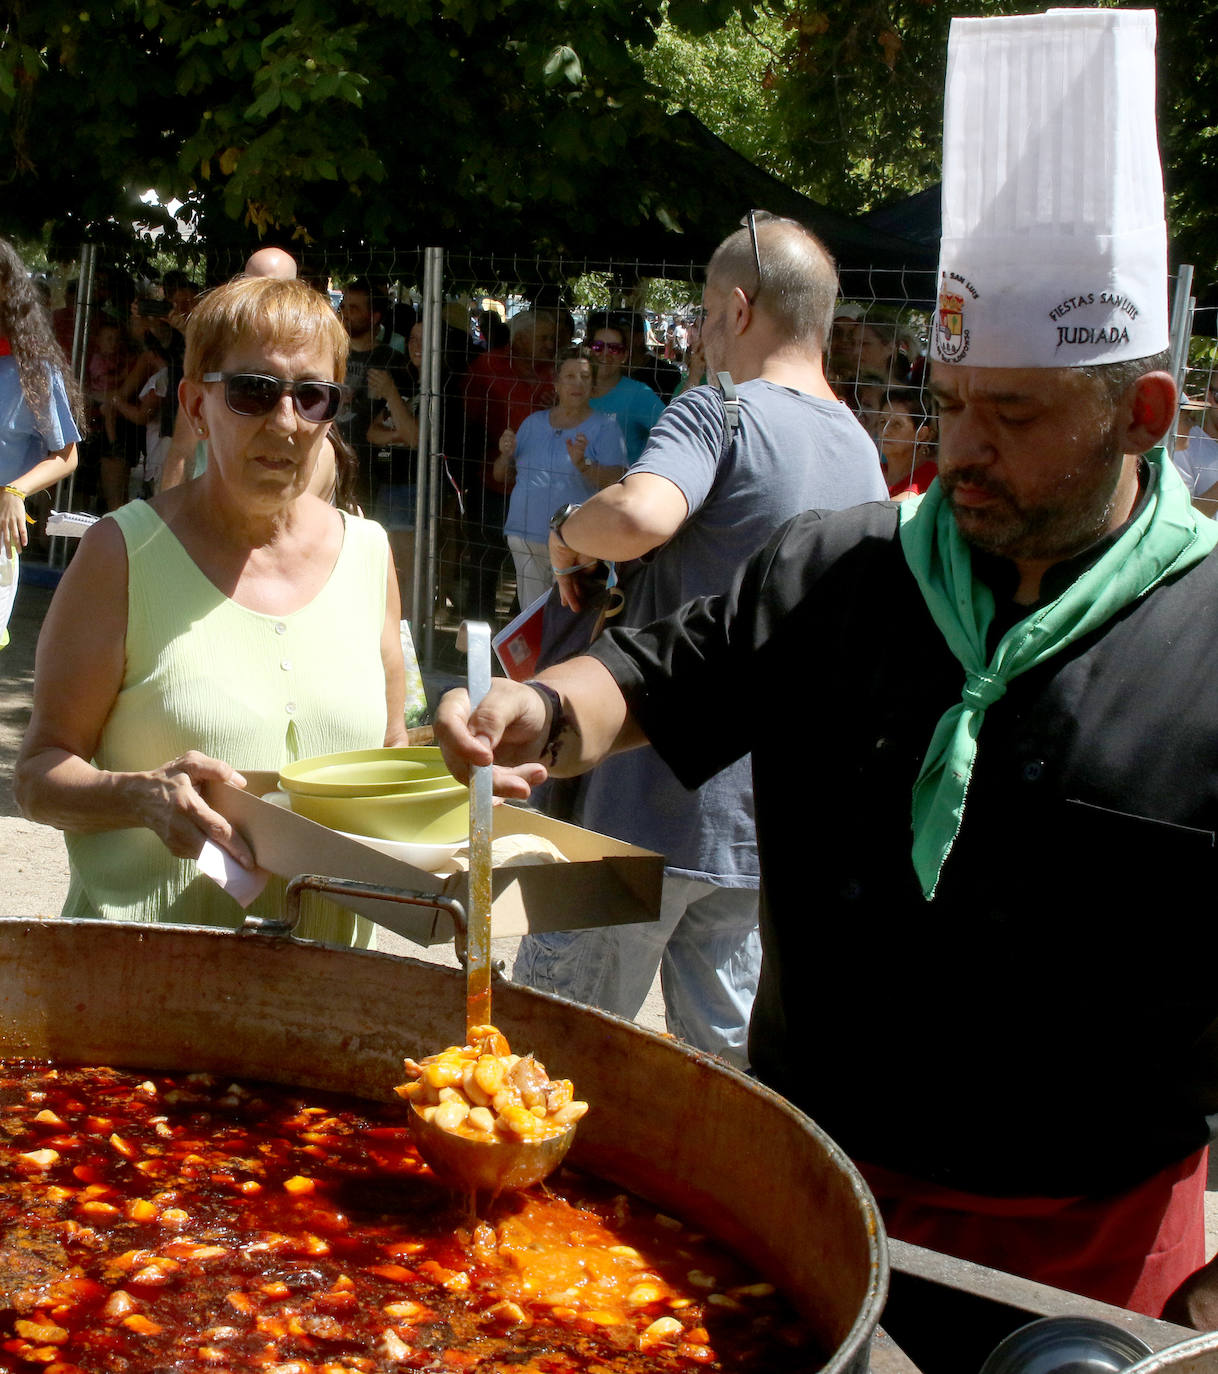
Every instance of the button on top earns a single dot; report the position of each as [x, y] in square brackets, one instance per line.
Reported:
[280, 628]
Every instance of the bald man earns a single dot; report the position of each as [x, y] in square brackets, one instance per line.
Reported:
[698, 502]
[271, 262]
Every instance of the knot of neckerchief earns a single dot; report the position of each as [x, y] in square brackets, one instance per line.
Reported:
[1165, 537]
[982, 690]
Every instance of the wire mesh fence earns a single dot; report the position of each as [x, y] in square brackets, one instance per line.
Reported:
[451, 352]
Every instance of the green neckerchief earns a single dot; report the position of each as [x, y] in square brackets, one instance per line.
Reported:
[1166, 536]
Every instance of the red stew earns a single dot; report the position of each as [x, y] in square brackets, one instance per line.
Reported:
[176, 1222]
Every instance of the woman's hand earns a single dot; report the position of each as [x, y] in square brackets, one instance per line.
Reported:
[167, 801]
[12, 522]
[504, 466]
[380, 384]
[577, 451]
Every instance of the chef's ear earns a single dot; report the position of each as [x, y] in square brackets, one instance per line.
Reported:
[1146, 411]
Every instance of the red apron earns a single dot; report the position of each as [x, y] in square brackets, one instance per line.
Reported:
[1131, 1250]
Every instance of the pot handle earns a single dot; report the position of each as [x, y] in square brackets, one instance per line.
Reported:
[352, 887]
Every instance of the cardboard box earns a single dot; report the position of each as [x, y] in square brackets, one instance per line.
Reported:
[606, 882]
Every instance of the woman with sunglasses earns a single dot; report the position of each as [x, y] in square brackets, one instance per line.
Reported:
[234, 621]
[632, 404]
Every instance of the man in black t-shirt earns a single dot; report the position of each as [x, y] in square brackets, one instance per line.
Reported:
[983, 725]
[361, 312]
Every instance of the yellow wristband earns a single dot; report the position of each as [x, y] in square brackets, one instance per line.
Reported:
[20, 495]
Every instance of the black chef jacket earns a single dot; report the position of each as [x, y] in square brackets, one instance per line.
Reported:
[1047, 1025]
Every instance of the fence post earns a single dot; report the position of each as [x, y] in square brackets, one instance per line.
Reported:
[427, 505]
[1181, 329]
[57, 549]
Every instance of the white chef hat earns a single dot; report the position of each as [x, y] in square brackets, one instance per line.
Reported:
[1054, 248]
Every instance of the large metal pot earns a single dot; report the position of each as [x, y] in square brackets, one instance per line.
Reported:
[668, 1123]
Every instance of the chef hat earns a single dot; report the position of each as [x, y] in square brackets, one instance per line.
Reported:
[1054, 249]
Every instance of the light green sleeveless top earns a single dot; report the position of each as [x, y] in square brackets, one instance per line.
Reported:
[254, 690]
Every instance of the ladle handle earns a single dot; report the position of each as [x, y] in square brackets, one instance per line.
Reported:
[475, 638]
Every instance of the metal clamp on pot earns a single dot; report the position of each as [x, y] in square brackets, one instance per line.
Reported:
[352, 887]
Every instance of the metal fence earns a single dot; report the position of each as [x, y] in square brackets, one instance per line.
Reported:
[469, 368]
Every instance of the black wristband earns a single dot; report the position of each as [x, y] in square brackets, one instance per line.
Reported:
[558, 719]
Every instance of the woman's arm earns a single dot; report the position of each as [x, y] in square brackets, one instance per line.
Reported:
[598, 475]
[505, 465]
[140, 411]
[146, 365]
[395, 669]
[403, 427]
[77, 676]
[53, 468]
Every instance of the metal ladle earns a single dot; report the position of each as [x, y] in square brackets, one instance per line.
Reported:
[477, 1166]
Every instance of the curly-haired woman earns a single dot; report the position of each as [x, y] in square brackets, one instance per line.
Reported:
[40, 411]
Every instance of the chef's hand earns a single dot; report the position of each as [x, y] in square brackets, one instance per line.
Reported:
[168, 803]
[12, 522]
[508, 729]
[1195, 1302]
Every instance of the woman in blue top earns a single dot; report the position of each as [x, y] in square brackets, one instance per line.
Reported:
[632, 404]
[40, 408]
[564, 454]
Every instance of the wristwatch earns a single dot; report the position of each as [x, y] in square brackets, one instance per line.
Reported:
[560, 517]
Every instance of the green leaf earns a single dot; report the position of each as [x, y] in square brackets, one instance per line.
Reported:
[563, 64]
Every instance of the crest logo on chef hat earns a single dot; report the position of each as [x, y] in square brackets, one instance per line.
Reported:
[1054, 248]
[951, 337]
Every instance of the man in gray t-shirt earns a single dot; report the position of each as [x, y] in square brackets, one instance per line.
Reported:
[699, 501]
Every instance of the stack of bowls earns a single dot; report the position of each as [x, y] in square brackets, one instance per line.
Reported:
[404, 801]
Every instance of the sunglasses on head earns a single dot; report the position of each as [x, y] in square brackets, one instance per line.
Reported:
[256, 393]
[601, 346]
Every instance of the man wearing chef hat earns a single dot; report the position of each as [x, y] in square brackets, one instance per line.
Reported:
[984, 724]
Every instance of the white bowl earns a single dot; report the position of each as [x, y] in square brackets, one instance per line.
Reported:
[428, 857]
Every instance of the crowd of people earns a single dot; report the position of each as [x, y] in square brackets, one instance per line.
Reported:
[494, 374]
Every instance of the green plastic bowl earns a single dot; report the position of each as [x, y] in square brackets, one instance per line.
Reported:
[366, 772]
[439, 815]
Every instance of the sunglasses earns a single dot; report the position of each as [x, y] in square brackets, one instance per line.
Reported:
[750, 222]
[255, 393]
[601, 346]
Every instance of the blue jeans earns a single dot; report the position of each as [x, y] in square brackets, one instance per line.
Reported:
[705, 944]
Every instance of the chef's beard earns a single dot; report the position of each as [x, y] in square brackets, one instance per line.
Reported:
[1062, 517]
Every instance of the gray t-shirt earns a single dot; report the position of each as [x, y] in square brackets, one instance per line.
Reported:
[792, 453]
